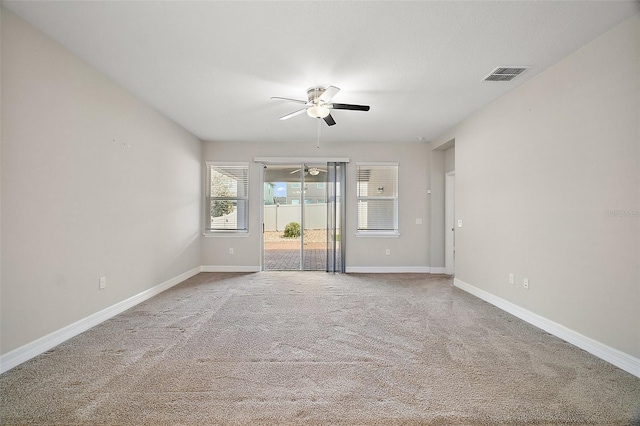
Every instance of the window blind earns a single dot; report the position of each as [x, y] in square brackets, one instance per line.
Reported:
[227, 197]
[377, 197]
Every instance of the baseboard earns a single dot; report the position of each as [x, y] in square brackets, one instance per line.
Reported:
[438, 270]
[388, 270]
[613, 356]
[218, 268]
[349, 269]
[43, 344]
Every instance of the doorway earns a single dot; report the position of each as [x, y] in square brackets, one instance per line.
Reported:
[449, 223]
[299, 222]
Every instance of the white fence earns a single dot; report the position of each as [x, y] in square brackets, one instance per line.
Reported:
[277, 217]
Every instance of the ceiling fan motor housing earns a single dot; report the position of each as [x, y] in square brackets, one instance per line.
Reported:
[314, 93]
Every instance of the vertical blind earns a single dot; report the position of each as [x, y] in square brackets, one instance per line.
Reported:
[336, 212]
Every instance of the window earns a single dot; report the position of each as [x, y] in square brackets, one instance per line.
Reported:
[227, 205]
[377, 197]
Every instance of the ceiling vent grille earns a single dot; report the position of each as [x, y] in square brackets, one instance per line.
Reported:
[505, 73]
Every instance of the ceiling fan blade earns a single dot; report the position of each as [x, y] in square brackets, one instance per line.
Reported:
[295, 171]
[349, 107]
[289, 99]
[329, 120]
[329, 93]
[293, 114]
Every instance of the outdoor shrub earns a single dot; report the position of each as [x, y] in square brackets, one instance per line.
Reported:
[292, 230]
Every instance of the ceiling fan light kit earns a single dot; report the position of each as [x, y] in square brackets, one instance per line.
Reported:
[319, 104]
[317, 111]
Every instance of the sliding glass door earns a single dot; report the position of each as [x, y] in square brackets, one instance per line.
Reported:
[300, 223]
[314, 217]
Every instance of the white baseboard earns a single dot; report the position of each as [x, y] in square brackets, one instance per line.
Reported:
[388, 269]
[219, 268]
[349, 269]
[438, 270]
[613, 356]
[43, 344]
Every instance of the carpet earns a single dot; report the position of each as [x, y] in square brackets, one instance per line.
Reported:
[314, 348]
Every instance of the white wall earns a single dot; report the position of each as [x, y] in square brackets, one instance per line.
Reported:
[94, 183]
[410, 250]
[537, 171]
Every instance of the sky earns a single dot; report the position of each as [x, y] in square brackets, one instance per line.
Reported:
[280, 189]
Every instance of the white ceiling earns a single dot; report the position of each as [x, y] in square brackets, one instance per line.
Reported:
[213, 66]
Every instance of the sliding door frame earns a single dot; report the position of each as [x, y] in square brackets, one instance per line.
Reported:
[266, 161]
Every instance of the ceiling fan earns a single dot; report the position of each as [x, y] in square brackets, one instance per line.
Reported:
[313, 171]
[319, 104]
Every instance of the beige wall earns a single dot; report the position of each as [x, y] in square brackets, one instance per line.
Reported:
[450, 160]
[536, 173]
[411, 249]
[94, 183]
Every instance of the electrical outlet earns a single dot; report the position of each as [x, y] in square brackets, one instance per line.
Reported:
[512, 279]
[231, 251]
[419, 221]
[387, 252]
[103, 283]
[526, 283]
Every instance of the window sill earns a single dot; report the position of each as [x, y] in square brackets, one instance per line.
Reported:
[378, 234]
[222, 233]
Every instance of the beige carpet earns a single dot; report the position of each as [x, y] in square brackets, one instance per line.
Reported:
[312, 348]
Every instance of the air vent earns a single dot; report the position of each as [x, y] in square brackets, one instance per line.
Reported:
[505, 73]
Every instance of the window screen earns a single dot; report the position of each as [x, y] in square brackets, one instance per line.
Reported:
[227, 206]
[377, 195]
